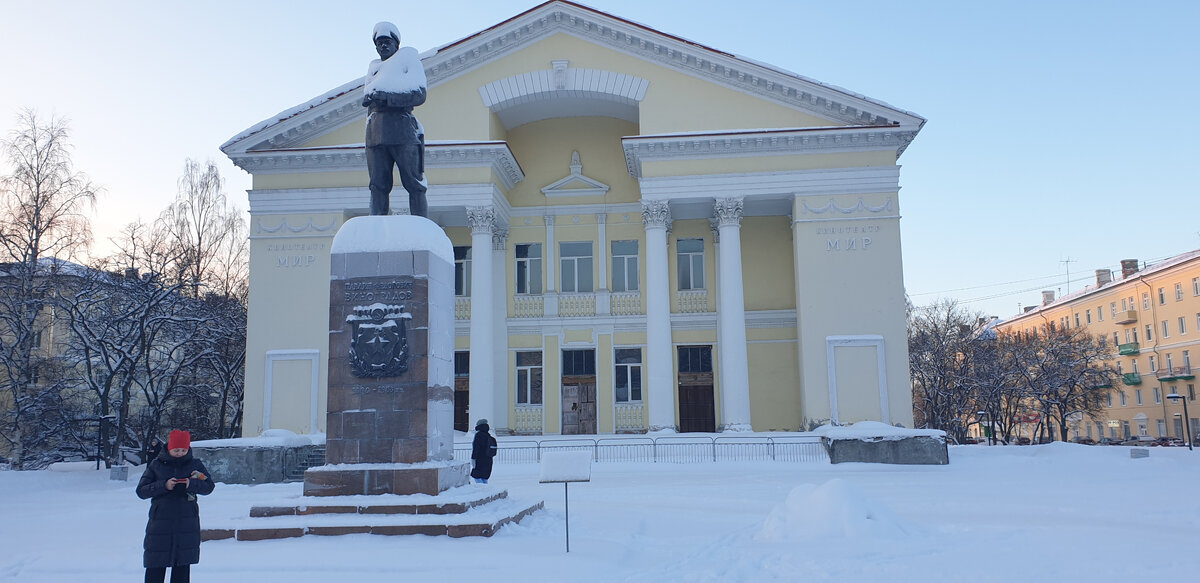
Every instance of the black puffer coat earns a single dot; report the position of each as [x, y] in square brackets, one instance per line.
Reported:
[173, 532]
[483, 449]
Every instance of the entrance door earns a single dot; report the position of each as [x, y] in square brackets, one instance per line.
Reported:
[579, 408]
[462, 390]
[579, 391]
[697, 407]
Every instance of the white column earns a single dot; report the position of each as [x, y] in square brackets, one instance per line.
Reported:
[550, 296]
[482, 386]
[731, 312]
[603, 298]
[660, 377]
[500, 374]
[714, 224]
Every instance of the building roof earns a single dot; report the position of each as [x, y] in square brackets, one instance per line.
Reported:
[298, 124]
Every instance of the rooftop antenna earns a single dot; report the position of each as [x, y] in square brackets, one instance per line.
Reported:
[1068, 261]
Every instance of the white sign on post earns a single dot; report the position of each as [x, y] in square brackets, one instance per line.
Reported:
[566, 467]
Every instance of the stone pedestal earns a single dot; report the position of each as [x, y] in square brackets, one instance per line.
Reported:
[390, 424]
[390, 420]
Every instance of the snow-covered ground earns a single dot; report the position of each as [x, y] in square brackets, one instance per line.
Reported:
[1055, 513]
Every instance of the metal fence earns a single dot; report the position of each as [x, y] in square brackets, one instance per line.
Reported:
[666, 449]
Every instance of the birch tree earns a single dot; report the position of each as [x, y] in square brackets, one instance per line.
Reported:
[43, 201]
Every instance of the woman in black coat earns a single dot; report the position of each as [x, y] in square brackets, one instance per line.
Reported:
[171, 482]
[483, 449]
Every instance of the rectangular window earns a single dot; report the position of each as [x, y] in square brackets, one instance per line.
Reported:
[1110, 400]
[1122, 398]
[529, 268]
[1120, 368]
[1179, 292]
[1187, 358]
[691, 263]
[1196, 286]
[1153, 363]
[462, 271]
[1157, 396]
[695, 359]
[1135, 367]
[1137, 396]
[1166, 330]
[462, 364]
[1162, 296]
[1191, 392]
[1170, 361]
[1088, 316]
[1145, 300]
[1182, 326]
[625, 266]
[628, 376]
[575, 262]
[1149, 333]
[1077, 319]
[529, 378]
[1116, 339]
[579, 362]
[1113, 307]
[1124, 305]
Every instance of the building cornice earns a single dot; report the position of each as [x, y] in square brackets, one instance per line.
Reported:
[754, 143]
[352, 158]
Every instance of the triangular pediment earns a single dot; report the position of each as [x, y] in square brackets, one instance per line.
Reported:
[340, 107]
[575, 183]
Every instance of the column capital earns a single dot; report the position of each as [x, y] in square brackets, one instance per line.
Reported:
[499, 238]
[549, 219]
[601, 218]
[728, 211]
[480, 218]
[715, 225]
[656, 213]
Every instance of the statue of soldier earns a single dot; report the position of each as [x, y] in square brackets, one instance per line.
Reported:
[395, 84]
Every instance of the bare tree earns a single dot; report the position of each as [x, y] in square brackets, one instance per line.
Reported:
[1064, 373]
[42, 205]
[209, 236]
[939, 349]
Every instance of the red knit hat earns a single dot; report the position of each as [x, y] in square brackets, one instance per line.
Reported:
[179, 439]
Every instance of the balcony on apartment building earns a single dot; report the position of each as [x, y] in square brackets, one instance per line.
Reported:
[1125, 317]
[1128, 349]
[1175, 373]
[1132, 378]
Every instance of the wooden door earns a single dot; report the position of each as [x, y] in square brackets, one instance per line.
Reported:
[697, 411]
[462, 398]
[579, 406]
[570, 409]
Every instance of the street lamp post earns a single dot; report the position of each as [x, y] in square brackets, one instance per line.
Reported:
[1187, 430]
[991, 429]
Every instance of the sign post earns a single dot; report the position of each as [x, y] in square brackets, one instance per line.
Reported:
[566, 467]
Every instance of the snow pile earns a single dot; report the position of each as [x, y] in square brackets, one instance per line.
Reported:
[369, 234]
[566, 466]
[874, 431]
[835, 509]
[401, 73]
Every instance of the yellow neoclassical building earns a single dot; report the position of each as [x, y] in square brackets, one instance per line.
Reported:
[1150, 318]
[649, 234]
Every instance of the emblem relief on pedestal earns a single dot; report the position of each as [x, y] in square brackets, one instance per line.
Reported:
[378, 340]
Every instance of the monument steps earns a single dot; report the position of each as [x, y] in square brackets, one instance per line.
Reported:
[472, 510]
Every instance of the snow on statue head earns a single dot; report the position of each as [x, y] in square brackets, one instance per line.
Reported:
[385, 29]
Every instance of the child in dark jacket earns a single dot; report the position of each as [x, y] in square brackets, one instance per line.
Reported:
[171, 482]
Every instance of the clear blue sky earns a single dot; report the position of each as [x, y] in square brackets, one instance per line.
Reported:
[1058, 130]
